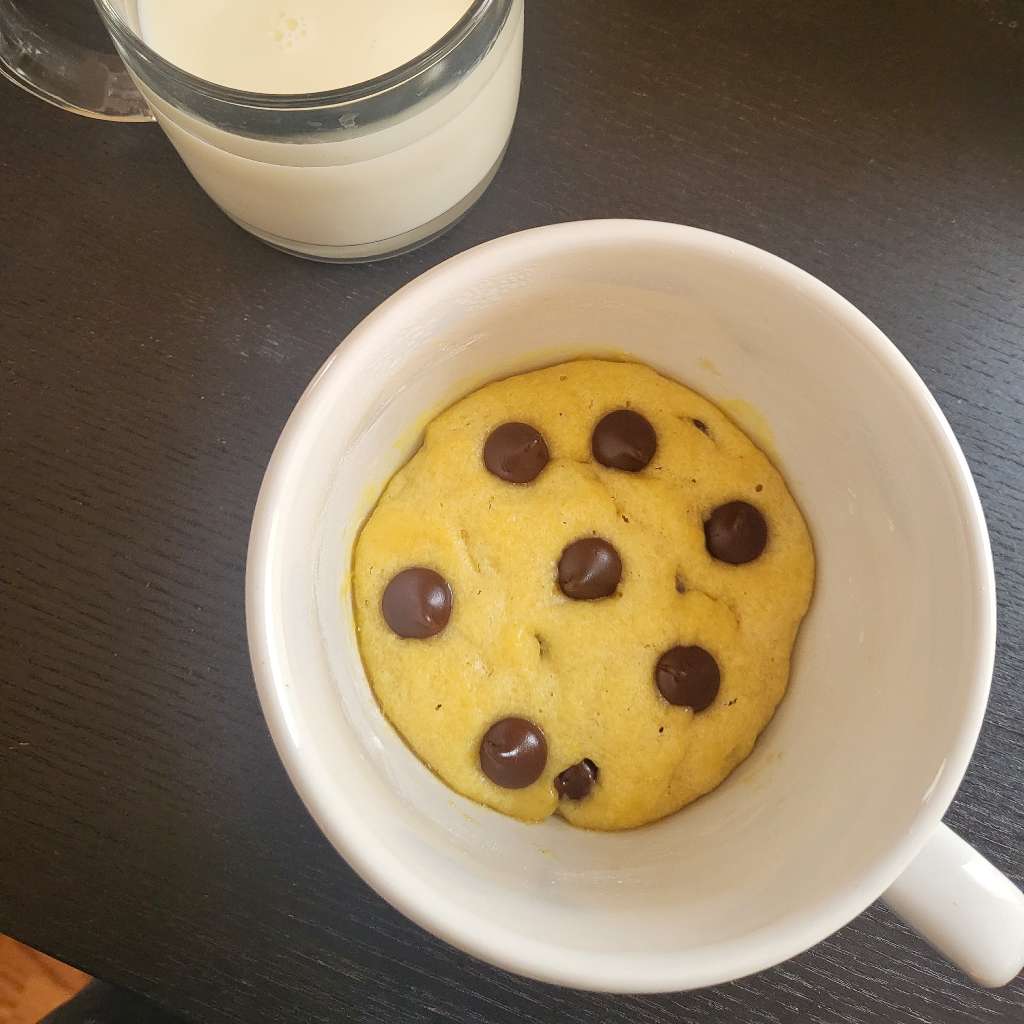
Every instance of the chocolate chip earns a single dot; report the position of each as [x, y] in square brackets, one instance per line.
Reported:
[516, 452]
[680, 584]
[702, 427]
[688, 677]
[624, 440]
[736, 533]
[588, 569]
[417, 603]
[577, 780]
[513, 753]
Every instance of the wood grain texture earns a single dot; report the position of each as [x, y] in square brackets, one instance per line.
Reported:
[151, 353]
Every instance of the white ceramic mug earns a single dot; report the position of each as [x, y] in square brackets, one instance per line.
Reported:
[840, 802]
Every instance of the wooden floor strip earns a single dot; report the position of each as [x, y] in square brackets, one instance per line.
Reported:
[32, 984]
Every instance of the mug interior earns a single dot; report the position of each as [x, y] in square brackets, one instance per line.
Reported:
[892, 664]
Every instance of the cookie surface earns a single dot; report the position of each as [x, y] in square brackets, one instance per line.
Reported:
[595, 672]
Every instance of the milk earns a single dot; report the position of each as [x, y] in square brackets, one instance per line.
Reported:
[294, 46]
[336, 194]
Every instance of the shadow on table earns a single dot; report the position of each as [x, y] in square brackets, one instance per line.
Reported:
[100, 1003]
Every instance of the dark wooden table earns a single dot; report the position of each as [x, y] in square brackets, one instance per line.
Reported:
[151, 353]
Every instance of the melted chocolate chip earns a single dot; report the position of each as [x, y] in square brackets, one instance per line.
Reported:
[417, 603]
[736, 533]
[577, 780]
[513, 753]
[516, 452]
[588, 569]
[688, 677]
[624, 440]
[702, 427]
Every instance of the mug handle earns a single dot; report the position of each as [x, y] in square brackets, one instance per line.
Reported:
[59, 71]
[964, 907]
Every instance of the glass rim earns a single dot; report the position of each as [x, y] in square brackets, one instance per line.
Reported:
[310, 100]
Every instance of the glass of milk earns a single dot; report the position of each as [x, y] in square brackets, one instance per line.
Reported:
[339, 130]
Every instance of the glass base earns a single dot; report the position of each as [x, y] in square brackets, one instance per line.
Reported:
[370, 252]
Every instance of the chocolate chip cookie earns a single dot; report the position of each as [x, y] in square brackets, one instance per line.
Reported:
[581, 595]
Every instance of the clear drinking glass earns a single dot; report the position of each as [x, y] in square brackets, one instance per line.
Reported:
[353, 174]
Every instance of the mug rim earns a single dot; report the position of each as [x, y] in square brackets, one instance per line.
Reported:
[381, 868]
[337, 96]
